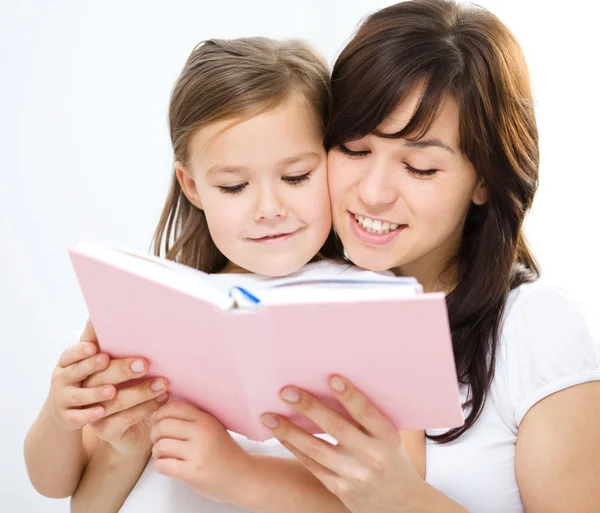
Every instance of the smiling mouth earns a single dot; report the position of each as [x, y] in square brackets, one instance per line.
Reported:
[275, 237]
[376, 226]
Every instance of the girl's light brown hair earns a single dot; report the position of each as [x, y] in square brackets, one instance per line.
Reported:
[231, 79]
[465, 52]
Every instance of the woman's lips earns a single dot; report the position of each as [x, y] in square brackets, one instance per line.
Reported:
[373, 238]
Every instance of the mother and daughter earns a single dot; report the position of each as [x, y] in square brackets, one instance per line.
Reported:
[422, 150]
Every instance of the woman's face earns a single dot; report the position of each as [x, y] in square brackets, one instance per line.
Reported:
[401, 204]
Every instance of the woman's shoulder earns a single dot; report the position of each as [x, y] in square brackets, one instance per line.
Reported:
[546, 344]
[545, 313]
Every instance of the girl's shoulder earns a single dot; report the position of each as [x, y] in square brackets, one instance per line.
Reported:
[329, 268]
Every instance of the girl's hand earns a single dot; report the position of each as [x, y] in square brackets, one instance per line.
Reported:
[72, 405]
[125, 421]
[369, 469]
[192, 445]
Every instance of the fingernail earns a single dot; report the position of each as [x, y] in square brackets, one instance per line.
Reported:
[157, 385]
[100, 358]
[337, 384]
[290, 395]
[137, 366]
[269, 421]
[107, 391]
[162, 398]
[90, 349]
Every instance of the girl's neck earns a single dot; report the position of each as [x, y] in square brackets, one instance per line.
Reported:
[231, 268]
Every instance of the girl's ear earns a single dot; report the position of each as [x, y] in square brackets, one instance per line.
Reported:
[188, 184]
[480, 194]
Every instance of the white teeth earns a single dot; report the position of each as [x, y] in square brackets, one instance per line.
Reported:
[375, 225]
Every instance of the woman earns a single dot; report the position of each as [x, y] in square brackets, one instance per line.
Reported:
[433, 165]
[433, 130]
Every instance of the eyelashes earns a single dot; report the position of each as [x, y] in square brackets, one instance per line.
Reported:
[412, 170]
[294, 181]
[353, 154]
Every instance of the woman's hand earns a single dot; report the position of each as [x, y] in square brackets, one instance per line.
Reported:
[126, 419]
[369, 469]
[192, 445]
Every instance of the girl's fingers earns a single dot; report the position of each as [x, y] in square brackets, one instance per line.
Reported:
[88, 334]
[76, 353]
[134, 395]
[85, 396]
[171, 467]
[118, 371]
[170, 448]
[180, 410]
[81, 370]
[113, 427]
[175, 429]
[77, 418]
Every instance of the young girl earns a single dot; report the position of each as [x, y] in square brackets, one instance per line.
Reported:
[249, 195]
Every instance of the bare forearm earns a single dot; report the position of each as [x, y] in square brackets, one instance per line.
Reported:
[432, 500]
[108, 479]
[281, 484]
[55, 458]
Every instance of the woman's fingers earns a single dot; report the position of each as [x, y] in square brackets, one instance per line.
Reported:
[328, 456]
[330, 421]
[362, 410]
[118, 371]
[129, 397]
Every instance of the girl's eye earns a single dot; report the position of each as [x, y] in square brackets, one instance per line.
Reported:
[353, 154]
[420, 172]
[234, 189]
[297, 179]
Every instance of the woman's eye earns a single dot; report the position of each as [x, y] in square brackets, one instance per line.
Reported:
[296, 179]
[350, 153]
[233, 189]
[420, 172]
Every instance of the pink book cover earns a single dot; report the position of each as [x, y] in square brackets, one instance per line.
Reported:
[233, 363]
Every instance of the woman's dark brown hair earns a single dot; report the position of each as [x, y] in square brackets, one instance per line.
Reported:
[466, 53]
[229, 79]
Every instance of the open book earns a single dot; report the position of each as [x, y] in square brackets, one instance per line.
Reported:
[230, 349]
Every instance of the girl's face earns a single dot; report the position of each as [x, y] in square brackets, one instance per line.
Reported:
[262, 184]
[400, 204]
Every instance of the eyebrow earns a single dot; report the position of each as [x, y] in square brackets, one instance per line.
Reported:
[428, 143]
[286, 162]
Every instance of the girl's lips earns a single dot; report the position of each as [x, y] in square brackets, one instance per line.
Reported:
[373, 238]
[277, 238]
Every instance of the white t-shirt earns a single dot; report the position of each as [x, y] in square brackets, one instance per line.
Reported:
[545, 347]
[155, 493]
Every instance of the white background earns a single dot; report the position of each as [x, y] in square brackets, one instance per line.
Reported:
[84, 153]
